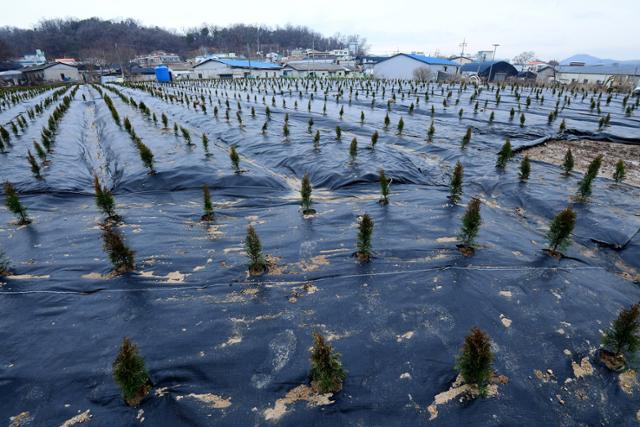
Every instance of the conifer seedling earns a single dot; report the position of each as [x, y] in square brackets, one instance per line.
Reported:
[559, 234]
[146, 155]
[257, 263]
[475, 360]
[338, 132]
[235, 159]
[567, 165]
[400, 126]
[365, 231]
[431, 131]
[121, 257]
[130, 374]
[327, 374]
[525, 168]
[305, 195]
[374, 138]
[620, 172]
[504, 155]
[455, 186]
[104, 199]
[384, 188]
[467, 137]
[584, 187]
[4, 264]
[622, 340]
[205, 143]
[470, 226]
[316, 140]
[353, 148]
[207, 205]
[14, 205]
[35, 167]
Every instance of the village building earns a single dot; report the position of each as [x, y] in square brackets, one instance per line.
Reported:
[51, 72]
[409, 66]
[235, 68]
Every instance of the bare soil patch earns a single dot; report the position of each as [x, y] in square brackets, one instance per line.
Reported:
[584, 151]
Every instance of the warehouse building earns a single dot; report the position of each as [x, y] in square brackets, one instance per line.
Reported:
[51, 72]
[606, 75]
[414, 67]
[314, 69]
[235, 68]
[490, 70]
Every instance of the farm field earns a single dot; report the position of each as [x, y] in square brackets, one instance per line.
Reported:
[225, 347]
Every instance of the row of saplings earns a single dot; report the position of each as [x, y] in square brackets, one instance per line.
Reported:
[474, 362]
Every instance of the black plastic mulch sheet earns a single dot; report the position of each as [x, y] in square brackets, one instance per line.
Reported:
[204, 326]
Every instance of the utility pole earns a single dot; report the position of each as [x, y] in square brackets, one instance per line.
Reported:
[249, 58]
[495, 47]
[463, 45]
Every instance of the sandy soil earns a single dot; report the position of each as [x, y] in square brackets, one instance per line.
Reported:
[584, 151]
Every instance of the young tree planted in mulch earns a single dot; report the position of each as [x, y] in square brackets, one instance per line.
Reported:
[374, 138]
[353, 148]
[467, 137]
[620, 172]
[165, 121]
[257, 263]
[208, 206]
[431, 131]
[41, 152]
[338, 132]
[316, 140]
[305, 195]
[186, 135]
[327, 374]
[470, 226]
[130, 373]
[365, 231]
[455, 186]
[400, 126]
[522, 119]
[525, 168]
[235, 159]
[622, 340]
[559, 234]
[104, 199]
[146, 155]
[504, 155]
[14, 205]
[35, 167]
[384, 188]
[568, 163]
[584, 187]
[121, 257]
[4, 264]
[205, 143]
[475, 360]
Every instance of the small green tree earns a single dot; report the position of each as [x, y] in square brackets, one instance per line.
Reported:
[387, 120]
[353, 148]
[104, 199]
[475, 359]
[559, 234]
[14, 205]
[374, 138]
[235, 159]
[584, 187]
[467, 137]
[400, 126]
[130, 373]
[455, 186]
[35, 167]
[305, 195]
[316, 140]
[563, 126]
[121, 257]
[165, 121]
[470, 223]
[568, 163]
[338, 132]
[522, 119]
[205, 143]
[257, 263]
[186, 135]
[623, 337]
[327, 374]
[504, 155]
[384, 187]
[4, 264]
[525, 168]
[146, 155]
[364, 238]
[620, 172]
[285, 130]
[208, 206]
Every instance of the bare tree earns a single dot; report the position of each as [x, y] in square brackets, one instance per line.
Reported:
[524, 57]
[422, 74]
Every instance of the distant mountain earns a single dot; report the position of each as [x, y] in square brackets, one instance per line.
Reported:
[593, 60]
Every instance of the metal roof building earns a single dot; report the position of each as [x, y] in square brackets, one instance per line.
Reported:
[406, 65]
[500, 70]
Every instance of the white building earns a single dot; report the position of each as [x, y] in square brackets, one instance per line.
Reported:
[606, 75]
[31, 60]
[314, 69]
[404, 66]
[51, 72]
[235, 68]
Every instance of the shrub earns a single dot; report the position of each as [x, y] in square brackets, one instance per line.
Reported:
[305, 195]
[374, 138]
[257, 263]
[384, 187]
[504, 155]
[14, 205]
[121, 257]
[559, 233]
[41, 152]
[387, 120]
[338, 132]
[624, 334]
[567, 165]
[475, 359]
[361, 117]
[235, 159]
[104, 199]
[205, 143]
[316, 139]
[186, 135]
[353, 148]
[522, 119]
[400, 126]
[467, 137]
[620, 172]
[431, 131]
[35, 167]
[471, 223]
[130, 373]
[327, 373]
[146, 155]
[208, 206]
[264, 127]
[525, 168]
[584, 187]
[455, 187]
[4, 264]
[165, 120]
[364, 238]
[563, 126]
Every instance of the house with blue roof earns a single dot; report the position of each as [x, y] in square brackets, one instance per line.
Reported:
[223, 68]
[409, 66]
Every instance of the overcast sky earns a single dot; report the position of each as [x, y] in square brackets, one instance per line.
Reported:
[551, 28]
